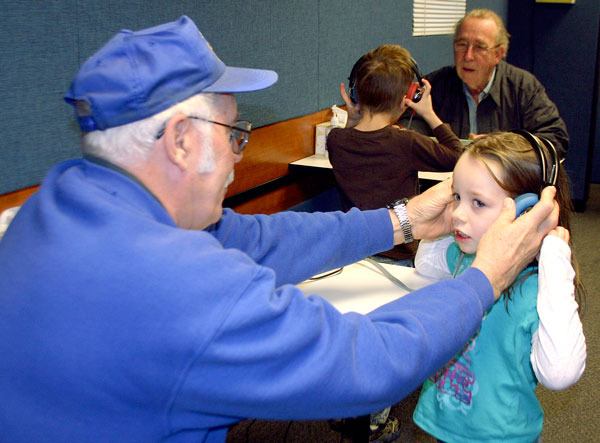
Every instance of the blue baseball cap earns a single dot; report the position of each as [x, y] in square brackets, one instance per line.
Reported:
[139, 74]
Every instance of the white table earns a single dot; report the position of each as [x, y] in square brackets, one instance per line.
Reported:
[361, 287]
[322, 161]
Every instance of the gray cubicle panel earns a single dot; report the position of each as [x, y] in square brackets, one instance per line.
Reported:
[311, 44]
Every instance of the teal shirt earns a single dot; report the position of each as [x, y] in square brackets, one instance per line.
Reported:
[487, 391]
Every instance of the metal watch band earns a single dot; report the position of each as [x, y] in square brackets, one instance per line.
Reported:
[399, 208]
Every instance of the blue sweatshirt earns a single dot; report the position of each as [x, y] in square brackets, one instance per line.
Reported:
[116, 325]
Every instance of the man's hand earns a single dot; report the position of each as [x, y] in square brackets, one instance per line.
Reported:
[352, 109]
[509, 245]
[429, 212]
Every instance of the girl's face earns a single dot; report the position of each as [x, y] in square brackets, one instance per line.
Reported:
[478, 200]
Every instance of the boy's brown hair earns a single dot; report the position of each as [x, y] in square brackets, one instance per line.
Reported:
[383, 78]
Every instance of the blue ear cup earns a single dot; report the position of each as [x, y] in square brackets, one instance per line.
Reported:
[524, 202]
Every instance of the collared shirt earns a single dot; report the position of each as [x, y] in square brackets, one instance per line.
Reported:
[473, 105]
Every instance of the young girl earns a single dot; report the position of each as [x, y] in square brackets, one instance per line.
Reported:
[531, 334]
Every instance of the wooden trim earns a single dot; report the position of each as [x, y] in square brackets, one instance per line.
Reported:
[16, 198]
[272, 148]
[266, 158]
[282, 193]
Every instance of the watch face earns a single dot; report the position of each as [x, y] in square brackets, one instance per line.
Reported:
[400, 201]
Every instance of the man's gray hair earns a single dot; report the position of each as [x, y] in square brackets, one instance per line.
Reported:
[502, 38]
[133, 142]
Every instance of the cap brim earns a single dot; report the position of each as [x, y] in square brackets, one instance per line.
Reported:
[236, 80]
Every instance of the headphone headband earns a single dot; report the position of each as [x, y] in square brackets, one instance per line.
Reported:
[415, 69]
[358, 64]
[537, 143]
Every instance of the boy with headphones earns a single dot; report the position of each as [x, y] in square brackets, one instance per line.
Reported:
[375, 161]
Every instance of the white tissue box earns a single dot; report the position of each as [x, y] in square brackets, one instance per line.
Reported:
[321, 132]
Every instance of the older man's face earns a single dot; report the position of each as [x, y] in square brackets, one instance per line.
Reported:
[208, 191]
[476, 53]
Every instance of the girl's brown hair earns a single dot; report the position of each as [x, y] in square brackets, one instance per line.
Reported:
[522, 173]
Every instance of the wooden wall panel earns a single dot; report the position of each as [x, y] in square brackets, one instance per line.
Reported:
[263, 182]
[16, 198]
[272, 148]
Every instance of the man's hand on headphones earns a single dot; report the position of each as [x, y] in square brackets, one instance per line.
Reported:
[430, 212]
[352, 108]
[510, 244]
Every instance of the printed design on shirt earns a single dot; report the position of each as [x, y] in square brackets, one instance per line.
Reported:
[456, 383]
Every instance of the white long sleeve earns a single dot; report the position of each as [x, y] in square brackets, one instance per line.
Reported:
[430, 260]
[558, 350]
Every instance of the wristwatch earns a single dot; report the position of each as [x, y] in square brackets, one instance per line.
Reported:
[399, 208]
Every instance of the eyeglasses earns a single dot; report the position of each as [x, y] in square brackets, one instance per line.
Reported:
[238, 136]
[478, 48]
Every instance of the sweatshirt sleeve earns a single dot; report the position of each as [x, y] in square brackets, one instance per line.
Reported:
[558, 351]
[283, 355]
[299, 245]
[440, 155]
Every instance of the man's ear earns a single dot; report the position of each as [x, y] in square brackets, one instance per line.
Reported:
[500, 54]
[176, 150]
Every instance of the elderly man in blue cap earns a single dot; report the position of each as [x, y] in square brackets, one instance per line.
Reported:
[134, 308]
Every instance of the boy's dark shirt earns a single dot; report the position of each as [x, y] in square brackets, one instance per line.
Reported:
[374, 168]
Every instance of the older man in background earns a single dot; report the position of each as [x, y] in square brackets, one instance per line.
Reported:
[483, 93]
